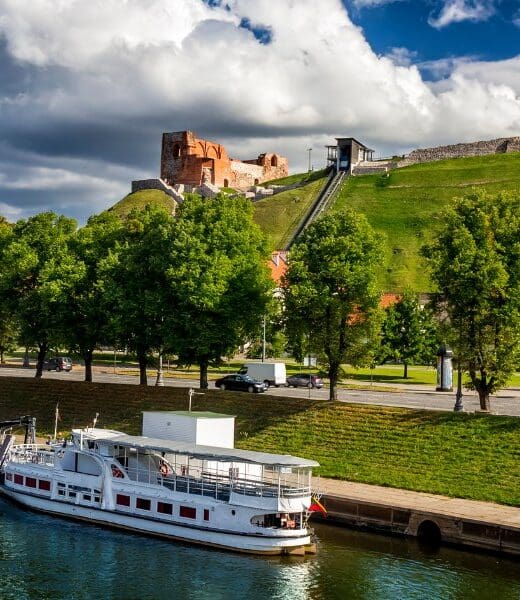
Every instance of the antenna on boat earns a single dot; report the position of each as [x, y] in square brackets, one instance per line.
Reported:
[95, 421]
[192, 392]
[56, 419]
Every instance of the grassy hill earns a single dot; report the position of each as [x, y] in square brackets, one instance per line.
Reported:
[405, 207]
[141, 199]
[279, 215]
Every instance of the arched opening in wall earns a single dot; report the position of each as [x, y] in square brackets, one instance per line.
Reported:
[176, 151]
[257, 181]
[429, 535]
[274, 160]
[226, 183]
[212, 152]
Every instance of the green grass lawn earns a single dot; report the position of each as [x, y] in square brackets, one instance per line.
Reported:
[141, 199]
[404, 207]
[278, 216]
[463, 455]
[298, 178]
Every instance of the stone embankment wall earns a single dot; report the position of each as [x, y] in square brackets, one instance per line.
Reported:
[498, 146]
[156, 184]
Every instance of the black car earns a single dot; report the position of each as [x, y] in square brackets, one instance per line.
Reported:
[58, 363]
[240, 383]
[305, 380]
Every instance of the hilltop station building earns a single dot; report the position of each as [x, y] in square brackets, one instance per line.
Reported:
[347, 153]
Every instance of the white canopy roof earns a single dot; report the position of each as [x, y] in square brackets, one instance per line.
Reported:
[195, 450]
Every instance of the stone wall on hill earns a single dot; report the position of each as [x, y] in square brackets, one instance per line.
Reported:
[498, 146]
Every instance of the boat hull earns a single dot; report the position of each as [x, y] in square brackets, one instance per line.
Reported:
[245, 543]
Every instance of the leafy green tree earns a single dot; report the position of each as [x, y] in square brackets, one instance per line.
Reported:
[8, 334]
[475, 262]
[136, 283]
[330, 293]
[87, 315]
[221, 280]
[37, 270]
[409, 332]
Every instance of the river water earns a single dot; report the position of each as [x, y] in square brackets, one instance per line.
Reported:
[48, 558]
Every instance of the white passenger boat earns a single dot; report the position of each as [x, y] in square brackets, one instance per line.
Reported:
[223, 497]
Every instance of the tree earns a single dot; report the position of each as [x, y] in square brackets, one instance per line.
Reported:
[475, 262]
[137, 278]
[222, 284]
[329, 290]
[87, 316]
[409, 332]
[8, 334]
[37, 270]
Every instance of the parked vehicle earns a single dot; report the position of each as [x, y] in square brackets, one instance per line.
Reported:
[269, 373]
[240, 383]
[58, 363]
[305, 380]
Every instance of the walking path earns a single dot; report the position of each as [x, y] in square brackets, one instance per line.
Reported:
[488, 512]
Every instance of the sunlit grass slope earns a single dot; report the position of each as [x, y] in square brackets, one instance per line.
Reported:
[278, 216]
[141, 199]
[405, 207]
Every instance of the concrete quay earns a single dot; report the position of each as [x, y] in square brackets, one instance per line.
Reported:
[468, 523]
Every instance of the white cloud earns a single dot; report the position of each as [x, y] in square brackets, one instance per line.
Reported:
[108, 77]
[402, 57]
[456, 11]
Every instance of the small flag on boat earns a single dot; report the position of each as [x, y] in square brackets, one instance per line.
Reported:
[317, 506]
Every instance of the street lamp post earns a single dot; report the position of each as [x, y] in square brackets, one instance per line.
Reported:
[309, 150]
[458, 396]
[159, 381]
[263, 339]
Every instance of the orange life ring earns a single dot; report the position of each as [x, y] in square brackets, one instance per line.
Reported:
[116, 472]
[164, 469]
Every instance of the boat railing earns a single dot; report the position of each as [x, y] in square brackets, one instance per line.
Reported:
[218, 486]
[32, 453]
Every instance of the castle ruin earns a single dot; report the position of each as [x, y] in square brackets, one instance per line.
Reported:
[191, 161]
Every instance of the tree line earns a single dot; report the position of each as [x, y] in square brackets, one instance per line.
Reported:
[197, 285]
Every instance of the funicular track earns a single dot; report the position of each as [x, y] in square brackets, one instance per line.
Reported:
[323, 200]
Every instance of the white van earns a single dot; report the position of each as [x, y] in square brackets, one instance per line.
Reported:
[269, 373]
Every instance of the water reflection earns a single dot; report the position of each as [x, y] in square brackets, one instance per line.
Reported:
[47, 558]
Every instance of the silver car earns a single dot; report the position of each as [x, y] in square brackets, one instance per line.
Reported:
[305, 380]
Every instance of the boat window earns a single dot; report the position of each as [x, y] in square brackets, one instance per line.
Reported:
[188, 512]
[72, 494]
[143, 503]
[164, 508]
[123, 500]
[18, 479]
[9, 476]
[87, 497]
[43, 484]
[87, 465]
[30, 482]
[61, 492]
[206, 514]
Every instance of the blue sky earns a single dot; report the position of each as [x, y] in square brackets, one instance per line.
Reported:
[490, 33]
[87, 88]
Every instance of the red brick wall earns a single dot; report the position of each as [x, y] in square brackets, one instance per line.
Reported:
[184, 158]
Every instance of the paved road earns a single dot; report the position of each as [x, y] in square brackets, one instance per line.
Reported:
[507, 402]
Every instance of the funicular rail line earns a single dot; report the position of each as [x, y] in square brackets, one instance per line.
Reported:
[322, 201]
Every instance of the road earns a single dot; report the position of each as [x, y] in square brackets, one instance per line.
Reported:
[506, 402]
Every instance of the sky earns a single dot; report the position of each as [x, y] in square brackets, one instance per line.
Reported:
[87, 88]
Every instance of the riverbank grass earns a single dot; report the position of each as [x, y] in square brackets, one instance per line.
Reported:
[472, 456]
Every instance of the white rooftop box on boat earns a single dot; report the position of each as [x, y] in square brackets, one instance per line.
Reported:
[202, 428]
